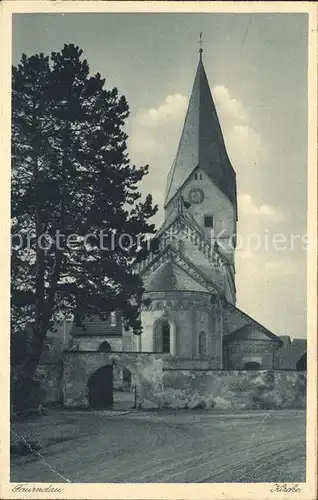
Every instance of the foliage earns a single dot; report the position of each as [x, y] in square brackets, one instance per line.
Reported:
[73, 186]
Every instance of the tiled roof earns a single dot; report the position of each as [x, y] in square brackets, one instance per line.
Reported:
[246, 332]
[202, 143]
[238, 322]
[97, 326]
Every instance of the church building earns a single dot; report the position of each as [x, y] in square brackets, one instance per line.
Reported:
[190, 280]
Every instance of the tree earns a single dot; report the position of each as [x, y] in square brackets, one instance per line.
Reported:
[74, 198]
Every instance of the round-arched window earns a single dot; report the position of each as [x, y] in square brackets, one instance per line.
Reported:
[165, 337]
[105, 347]
[162, 337]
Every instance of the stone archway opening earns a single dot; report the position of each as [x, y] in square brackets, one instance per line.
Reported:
[112, 387]
[100, 388]
[252, 365]
[105, 347]
[124, 388]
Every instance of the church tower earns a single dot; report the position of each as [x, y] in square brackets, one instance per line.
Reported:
[203, 177]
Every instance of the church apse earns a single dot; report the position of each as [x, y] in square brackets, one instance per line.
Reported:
[182, 324]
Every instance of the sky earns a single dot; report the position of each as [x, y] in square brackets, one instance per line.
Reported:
[257, 68]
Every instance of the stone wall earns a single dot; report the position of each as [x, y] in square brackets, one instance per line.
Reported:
[234, 389]
[161, 380]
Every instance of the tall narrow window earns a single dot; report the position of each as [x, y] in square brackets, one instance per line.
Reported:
[165, 337]
[202, 344]
[113, 318]
[195, 176]
[208, 221]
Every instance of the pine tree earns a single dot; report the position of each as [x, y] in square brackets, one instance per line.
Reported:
[71, 175]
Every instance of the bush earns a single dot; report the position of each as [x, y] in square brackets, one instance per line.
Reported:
[200, 406]
[24, 394]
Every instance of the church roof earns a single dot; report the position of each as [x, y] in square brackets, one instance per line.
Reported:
[170, 277]
[95, 326]
[202, 143]
[245, 332]
[237, 323]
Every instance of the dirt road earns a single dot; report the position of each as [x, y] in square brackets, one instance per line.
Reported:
[184, 446]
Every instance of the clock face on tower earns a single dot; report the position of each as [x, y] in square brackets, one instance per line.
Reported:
[196, 195]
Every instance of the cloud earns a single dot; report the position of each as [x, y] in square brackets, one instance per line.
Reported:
[265, 263]
[229, 108]
[156, 131]
[280, 267]
[245, 147]
[153, 139]
[244, 144]
[245, 254]
[172, 109]
[247, 206]
[266, 290]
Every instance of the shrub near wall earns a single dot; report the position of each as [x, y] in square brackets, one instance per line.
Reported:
[235, 389]
[290, 389]
[46, 387]
[49, 377]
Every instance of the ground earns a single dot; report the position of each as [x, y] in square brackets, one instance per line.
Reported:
[162, 446]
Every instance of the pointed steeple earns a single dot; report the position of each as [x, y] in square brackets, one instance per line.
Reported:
[201, 46]
[202, 143]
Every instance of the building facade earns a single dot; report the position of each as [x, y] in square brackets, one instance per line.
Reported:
[197, 347]
[190, 279]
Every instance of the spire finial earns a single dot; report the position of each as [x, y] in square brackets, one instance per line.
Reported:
[201, 45]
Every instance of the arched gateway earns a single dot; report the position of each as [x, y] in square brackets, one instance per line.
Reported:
[100, 380]
[111, 387]
[100, 388]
